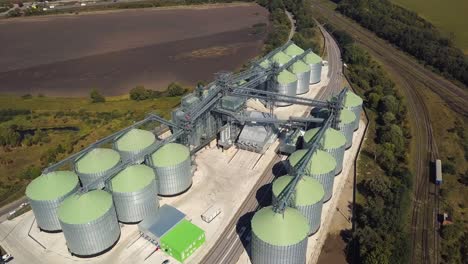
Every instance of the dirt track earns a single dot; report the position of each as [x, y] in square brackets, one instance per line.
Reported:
[68, 55]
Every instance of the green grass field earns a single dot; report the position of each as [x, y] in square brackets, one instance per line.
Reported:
[448, 16]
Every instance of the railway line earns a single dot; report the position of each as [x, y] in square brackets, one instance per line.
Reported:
[410, 75]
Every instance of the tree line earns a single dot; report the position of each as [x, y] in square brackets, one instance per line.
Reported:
[381, 235]
[411, 33]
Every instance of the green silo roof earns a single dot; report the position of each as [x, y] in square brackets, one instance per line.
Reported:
[135, 139]
[265, 64]
[308, 190]
[352, 100]
[97, 160]
[281, 58]
[347, 116]
[285, 229]
[330, 140]
[286, 77]
[299, 67]
[312, 58]
[169, 155]
[293, 50]
[82, 209]
[52, 185]
[321, 161]
[132, 178]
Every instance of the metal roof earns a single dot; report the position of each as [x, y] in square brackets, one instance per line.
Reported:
[97, 160]
[170, 154]
[288, 228]
[281, 58]
[330, 140]
[181, 236]
[82, 209]
[299, 67]
[312, 58]
[293, 50]
[347, 116]
[157, 225]
[132, 178]
[352, 100]
[265, 64]
[321, 161]
[308, 190]
[135, 139]
[286, 77]
[52, 185]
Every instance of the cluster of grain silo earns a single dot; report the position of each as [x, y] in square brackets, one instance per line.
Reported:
[134, 192]
[322, 166]
[353, 103]
[307, 198]
[315, 63]
[89, 222]
[172, 166]
[333, 142]
[46, 193]
[134, 142]
[95, 165]
[279, 238]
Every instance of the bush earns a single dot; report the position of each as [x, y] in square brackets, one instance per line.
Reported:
[175, 89]
[140, 93]
[96, 97]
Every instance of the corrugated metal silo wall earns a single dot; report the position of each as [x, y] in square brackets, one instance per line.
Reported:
[174, 179]
[87, 178]
[357, 111]
[132, 207]
[286, 89]
[264, 253]
[313, 213]
[315, 72]
[93, 237]
[46, 211]
[327, 180]
[303, 82]
[347, 130]
[338, 154]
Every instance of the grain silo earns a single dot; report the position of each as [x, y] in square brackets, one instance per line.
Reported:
[302, 72]
[333, 142]
[134, 191]
[293, 50]
[346, 126]
[280, 58]
[322, 167]
[279, 238]
[46, 192]
[315, 64]
[354, 103]
[172, 166]
[96, 164]
[89, 222]
[307, 198]
[286, 83]
[133, 143]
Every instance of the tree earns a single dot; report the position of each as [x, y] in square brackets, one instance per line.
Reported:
[392, 134]
[386, 156]
[389, 104]
[96, 97]
[388, 118]
[175, 89]
[140, 93]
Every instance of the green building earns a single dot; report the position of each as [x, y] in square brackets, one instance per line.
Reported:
[182, 240]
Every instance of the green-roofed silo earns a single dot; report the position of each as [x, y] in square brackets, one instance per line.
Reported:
[133, 143]
[286, 84]
[354, 103]
[280, 58]
[89, 222]
[322, 167]
[333, 142]
[46, 192]
[173, 169]
[315, 63]
[95, 165]
[134, 191]
[293, 50]
[346, 126]
[302, 72]
[279, 238]
[307, 198]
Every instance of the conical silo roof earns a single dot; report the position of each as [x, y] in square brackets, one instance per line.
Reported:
[321, 161]
[352, 100]
[293, 50]
[281, 58]
[52, 185]
[97, 160]
[288, 228]
[299, 67]
[265, 64]
[312, 58]
[170, 154]
[286, 77]
[135, 139]
[331, 139]
[308, 190]
[81, 209]
[132, 178]
[347, 116]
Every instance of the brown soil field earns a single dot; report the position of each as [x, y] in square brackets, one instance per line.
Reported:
[68, 55]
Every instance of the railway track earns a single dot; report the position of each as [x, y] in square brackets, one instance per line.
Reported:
[410, 76]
